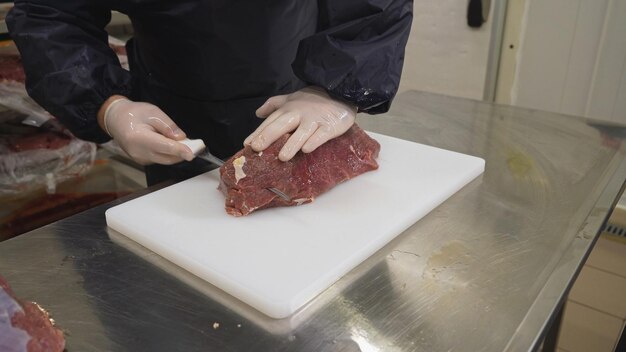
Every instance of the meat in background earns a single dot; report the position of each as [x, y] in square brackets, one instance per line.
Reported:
[26, 327]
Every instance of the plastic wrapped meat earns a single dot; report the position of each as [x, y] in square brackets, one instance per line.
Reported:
[35, 150]
[41, 140]
[24, 326]
[246, 176]
[11, 69]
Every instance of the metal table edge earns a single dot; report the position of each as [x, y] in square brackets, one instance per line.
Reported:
[553, 295]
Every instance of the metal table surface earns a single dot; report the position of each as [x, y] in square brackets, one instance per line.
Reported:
[485, 271]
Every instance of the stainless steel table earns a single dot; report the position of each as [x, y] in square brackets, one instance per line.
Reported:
[485, 271]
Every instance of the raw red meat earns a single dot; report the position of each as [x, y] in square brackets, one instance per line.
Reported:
[246, 176]
[29, 325]
[11, 68]
[41, 140]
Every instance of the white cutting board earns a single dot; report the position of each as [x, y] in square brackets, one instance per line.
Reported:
[276, 260]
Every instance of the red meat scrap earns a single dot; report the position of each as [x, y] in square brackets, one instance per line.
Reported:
[50, 140]
[29, 326]
[246, 176]
[11, 69]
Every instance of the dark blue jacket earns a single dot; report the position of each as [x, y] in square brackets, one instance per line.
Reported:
[209, 63]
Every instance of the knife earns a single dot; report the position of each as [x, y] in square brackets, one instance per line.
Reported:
[201, 151]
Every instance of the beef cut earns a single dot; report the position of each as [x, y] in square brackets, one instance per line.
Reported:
[40, 140]
[11, 69]
[246, 176]
[26, 327]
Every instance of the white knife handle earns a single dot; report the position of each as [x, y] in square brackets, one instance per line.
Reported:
[196, 145]
[199, 150]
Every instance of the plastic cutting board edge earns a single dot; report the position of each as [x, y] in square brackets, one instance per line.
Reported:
[278, 259]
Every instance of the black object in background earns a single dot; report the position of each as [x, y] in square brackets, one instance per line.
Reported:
[475, 17]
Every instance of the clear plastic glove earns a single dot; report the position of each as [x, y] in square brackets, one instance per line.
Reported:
[145, 132]
[311, 112]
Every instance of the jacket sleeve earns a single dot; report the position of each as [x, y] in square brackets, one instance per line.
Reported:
[70, 69]
[358, 51]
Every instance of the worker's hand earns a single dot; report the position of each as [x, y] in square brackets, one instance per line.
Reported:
[311, 112]
[144, 132]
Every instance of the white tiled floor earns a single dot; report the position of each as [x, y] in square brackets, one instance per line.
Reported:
[601, 290]
[609, 256]
[596, 309]
[585, 329]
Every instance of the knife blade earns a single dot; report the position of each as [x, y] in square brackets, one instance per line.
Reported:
[199, 149]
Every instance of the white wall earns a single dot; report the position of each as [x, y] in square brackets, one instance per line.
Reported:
[607, 98]
[572, 59]
[443, 54]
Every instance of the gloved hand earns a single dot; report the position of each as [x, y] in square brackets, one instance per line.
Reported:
[311, 112]
[144, 132]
